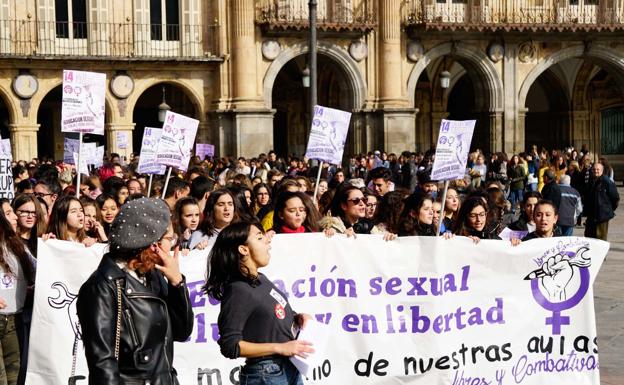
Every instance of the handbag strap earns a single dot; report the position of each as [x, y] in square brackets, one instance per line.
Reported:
[118, 326]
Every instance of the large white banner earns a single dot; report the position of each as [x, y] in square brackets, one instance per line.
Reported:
[452, 149]
[413, 311]
[176, 143]
[147, 157]
[83, 102]
[328, 134]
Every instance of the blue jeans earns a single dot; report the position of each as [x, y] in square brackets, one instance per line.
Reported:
[566, 231]
[270, 371]
[515, 196]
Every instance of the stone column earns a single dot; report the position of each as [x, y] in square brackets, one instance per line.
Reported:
[243, 53]
[253, 130]
[499, 142]
[398, 117]
[111, 138]
[521, 128]
[436, 119]
[24, 141]
[390, 54]
[580, 129]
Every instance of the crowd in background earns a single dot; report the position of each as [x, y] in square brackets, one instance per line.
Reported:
[541, 193]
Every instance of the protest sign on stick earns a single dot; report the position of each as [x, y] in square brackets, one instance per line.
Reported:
[202, 150]
[176, 143]
[328, 134]
[451, 153]
[82, 108]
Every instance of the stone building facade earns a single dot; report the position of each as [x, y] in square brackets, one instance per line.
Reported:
[542, 72]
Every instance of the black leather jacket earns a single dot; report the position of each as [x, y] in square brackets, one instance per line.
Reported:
[153, 316]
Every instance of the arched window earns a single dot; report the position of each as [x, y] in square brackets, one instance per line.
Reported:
[71, 18]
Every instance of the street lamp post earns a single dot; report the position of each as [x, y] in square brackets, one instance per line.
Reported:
[312, 5]
[445, 82]
[163, 107]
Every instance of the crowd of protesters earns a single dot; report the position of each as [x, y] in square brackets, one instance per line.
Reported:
[542, 193]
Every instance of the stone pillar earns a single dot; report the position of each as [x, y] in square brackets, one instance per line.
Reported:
[203, 133]
[497, 140]
[243, 54]
[436, 119]
[390, 54]
[24, 141]
[253, 132]
[580, 129]
[111, 138]
[398, 118]
[521, 128]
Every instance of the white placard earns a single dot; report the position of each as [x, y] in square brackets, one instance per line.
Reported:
[452, 149]
[122, 140]
[328, 134]
[147, 157]
[411, 311]
[7, 189]
[176, 143]
[70, 146]
[83, 102]
[81, 164]
[5, 148]
[98, 160]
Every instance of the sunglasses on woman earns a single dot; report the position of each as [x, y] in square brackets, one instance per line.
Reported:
[356, 201]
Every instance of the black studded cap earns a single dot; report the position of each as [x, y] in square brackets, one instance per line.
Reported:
[140, 223]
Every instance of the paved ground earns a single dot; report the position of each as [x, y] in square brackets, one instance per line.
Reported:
[609, 300]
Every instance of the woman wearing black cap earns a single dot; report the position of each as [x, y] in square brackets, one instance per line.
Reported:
[130, 315]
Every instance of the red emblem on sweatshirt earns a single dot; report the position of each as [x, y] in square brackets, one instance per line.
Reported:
[280, 313]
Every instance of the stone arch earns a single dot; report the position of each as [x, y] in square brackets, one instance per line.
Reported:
[471, 58]
[354, 76]
[600, 55]
[142, 85]
[12, 104]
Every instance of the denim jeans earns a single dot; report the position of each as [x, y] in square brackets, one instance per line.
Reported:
[270, 371]
[566, 231]
[515, 197]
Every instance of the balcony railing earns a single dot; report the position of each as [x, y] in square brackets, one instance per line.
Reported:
[332, 15]
[24, 38]
[547, 15]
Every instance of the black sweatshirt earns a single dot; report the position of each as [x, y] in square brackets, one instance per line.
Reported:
[257, 313]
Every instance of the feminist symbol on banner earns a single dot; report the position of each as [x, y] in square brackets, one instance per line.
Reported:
[555, 276]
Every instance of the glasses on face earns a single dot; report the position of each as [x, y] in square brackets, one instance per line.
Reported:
[263, 193]
[41, 195]
[26, 213]
[480, 215]
[356, 201]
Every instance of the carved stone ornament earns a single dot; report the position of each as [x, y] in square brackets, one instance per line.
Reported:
[526, 52]
[496, 52]
[415, 51]
[358, 50]
[270, 49]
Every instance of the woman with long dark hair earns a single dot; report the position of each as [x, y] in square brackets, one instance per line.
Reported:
[67, 221]
[17, 272]
[417, 216]
[136, 304]
[255, 320]
[186, 221]
[93, 219]
[221, 210]
[27, 209]
[295, 213]
[109, 208]
[260, 197]
[472, 220]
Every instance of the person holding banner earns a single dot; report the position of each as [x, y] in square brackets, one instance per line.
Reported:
[17, 270]
[472, 219]
[136, 304]
[67, 221]
[255, 320]
[221, 210]
[417, 217]
[295, 213]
